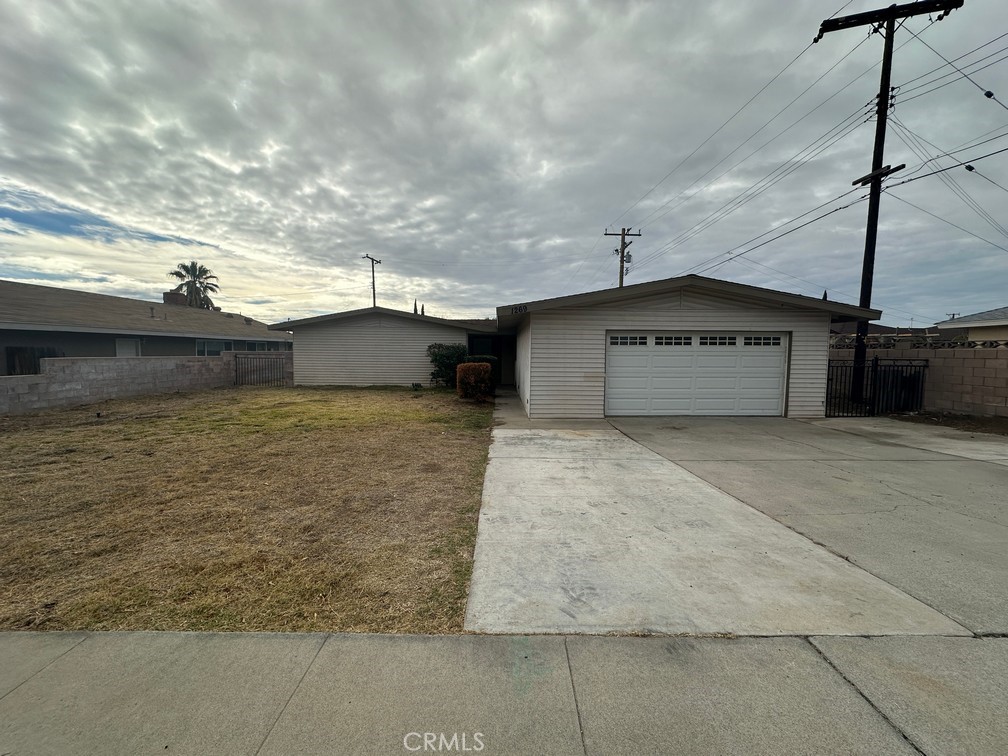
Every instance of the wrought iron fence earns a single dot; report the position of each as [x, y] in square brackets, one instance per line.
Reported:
[874, 387]
[259, 370]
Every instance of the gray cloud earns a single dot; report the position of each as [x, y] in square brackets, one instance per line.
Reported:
[478, 149]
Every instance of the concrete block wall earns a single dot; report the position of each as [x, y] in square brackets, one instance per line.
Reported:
[69, 381]
[966, 381]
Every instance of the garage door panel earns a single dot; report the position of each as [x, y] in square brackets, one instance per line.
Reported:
[761, 361]
[717, 361]
[673, 361]
[670, 406]
[653, 376]
[666, 383]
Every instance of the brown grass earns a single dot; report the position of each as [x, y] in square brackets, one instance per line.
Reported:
[243, 509]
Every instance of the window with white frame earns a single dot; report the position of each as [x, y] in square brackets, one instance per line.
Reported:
[628, 340]
[673, 340]
[768, 341]
[717, 341]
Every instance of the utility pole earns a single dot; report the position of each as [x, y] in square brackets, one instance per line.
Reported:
[374, 296]
[622, 251]
[885, 22]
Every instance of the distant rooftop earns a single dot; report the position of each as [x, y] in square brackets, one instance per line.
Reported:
[997, 316]
[47, 308]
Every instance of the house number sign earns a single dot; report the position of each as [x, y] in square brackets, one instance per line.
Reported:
[519, 309]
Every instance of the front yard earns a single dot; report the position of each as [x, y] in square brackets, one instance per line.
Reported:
[251, 509]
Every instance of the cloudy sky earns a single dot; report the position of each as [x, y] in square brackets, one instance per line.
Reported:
[479, 150]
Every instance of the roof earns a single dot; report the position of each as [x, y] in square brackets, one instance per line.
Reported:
[840, 312]
[28, 307]
[481, 326]
[995, 317]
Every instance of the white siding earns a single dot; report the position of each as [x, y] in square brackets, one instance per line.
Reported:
[523, 365]
[368, 350]
[568, 351]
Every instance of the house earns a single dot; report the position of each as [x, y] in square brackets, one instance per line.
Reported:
[990, 325]
[380, 346]
[45, 321]
[681, 346]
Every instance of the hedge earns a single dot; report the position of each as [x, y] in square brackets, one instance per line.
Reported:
[473, 381]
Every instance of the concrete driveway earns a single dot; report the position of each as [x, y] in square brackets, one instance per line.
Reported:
[746, 527]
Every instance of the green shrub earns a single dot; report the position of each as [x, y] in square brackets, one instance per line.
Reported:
[473, 381]
[445, 358]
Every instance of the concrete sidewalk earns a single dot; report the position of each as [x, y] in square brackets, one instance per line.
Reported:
[130, 693]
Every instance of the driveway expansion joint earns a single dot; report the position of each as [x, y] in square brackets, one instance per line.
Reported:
[864, 696]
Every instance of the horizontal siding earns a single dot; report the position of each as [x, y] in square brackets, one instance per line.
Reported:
[568, 349]
[368, 351]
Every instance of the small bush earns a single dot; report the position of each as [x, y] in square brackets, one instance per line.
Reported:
[473, 381]
[491, 360]
[445, 358]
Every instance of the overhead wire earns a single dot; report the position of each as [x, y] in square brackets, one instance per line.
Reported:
[916, 145]
[987, 93]
[723, 125]
[782, 171]
[947, 221]
[647, 220]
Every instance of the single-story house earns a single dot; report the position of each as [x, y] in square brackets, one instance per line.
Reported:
[45, 321]
[682, 346]
[990, 325]
[379, 346]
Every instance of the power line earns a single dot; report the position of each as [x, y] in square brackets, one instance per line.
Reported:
[971, 169]
[965, 54]
[647, 219]
[915, 143]
[788, 167]
[722, 126]
[945, 220]
[949, 168]
[987, 93]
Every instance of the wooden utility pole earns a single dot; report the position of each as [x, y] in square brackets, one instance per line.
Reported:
[623, 234]
[374, 295]
[885, 21]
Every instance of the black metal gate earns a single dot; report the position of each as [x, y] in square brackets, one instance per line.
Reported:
[259, 370]
[886, 386]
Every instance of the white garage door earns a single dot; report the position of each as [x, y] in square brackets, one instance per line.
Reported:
[652, 373]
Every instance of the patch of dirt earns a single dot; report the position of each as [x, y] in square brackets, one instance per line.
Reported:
[970, 423]
[243, 509]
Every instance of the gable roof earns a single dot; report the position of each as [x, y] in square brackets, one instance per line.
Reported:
[840, 312]
[29, 307]
[995, 317]
[480, 326]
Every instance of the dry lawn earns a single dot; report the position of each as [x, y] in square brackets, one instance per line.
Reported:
[243, 509]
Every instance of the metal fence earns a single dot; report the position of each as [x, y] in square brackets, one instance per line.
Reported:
[259, 370]
[875, 387]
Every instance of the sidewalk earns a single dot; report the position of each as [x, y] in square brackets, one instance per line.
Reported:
[130, 693]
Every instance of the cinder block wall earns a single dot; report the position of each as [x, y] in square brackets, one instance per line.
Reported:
[967, 381]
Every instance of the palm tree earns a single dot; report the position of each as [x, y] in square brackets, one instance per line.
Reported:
[198, 282]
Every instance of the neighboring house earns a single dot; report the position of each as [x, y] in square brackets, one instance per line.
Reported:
[991, 325]
[44, 321]
[378, 346]
[682, 346]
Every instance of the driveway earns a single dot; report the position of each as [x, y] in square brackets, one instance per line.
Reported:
[745, 527]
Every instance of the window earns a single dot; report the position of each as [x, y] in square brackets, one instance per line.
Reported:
[673, 341]
[212, 348]
[127, 347]
[761, 341]
[717, 341]
[628, 340]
